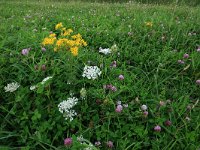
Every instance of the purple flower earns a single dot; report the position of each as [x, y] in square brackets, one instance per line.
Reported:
[43, 49]
[43, 67]
[181, 62]
[157, 128]
[97, 143]
[113, 88]
[113, 64]
[145, 113]
[186, 56]
[110, 144]
[198, 82]
[25, 52]
[121, 77]
[109, 86]
[68, 141]
[198, 49]
[168, 123]
[119, 108]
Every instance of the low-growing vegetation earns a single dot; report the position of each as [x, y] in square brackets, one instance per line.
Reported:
[89, 76]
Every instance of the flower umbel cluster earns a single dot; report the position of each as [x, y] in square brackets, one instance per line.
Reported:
[104, 51]
[46, 79]
[91, 72]
[11, 87]
[65, 107]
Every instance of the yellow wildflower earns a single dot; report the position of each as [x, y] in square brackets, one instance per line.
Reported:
[59, 43]
[76, 36]
[83, 43]
[74, 51]
[48, 41]
[149, 24]
[52, 35]
[59, 26]
[70, 43]
[67, 32]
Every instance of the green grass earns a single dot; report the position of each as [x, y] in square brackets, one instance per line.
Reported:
[146, 56]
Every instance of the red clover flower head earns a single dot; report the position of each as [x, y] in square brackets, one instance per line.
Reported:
[157, 128]
[110, 144]
[68, 141]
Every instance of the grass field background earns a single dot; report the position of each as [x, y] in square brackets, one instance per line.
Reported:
[148, 56]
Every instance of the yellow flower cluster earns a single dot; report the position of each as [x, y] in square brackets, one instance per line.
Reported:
[149, 24]
[65, 40]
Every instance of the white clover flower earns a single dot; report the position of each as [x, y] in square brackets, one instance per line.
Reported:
[65, 107]
[33, 87]
[144, 107]
[46, 79]
[11, 87]
[104, 51]
[91, 72]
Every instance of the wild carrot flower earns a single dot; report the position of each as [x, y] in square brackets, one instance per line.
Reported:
[65, 107]
[33, 87]
[46, 79]
[11, 87]
[104, 51]
[91, 72]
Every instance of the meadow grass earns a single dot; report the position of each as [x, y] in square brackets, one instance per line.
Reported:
[157, 53]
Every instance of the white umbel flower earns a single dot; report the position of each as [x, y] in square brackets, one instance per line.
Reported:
[33, 87]
[144, 107]
[11, 87]
[46, 79]
[105, 51]
[65, 107]
[91, 72]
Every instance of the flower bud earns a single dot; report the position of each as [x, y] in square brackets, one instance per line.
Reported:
[157, 128]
